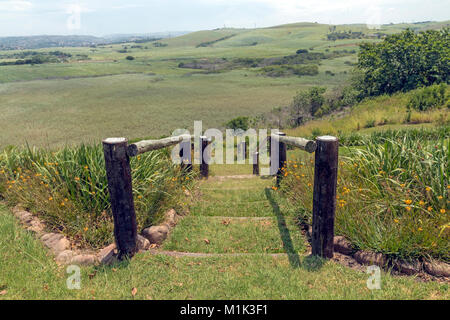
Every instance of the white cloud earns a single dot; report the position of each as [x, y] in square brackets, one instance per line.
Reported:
[15, 6]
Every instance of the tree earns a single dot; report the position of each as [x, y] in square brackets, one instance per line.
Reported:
[404, 61]
[307, 103]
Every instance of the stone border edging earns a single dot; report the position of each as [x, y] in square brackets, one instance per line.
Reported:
[63, 250]
[342, 245]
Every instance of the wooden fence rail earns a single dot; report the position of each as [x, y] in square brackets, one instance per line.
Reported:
[117, 153]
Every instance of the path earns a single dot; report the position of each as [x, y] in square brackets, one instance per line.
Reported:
[237, 215]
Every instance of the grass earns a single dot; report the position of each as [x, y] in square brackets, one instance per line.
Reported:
[378, 113]
[67, 188]
[150, 96]
[27, 271]
[392, 196]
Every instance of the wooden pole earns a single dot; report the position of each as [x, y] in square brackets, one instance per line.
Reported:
[204, 157]
[149, 145]
[324, 197]
[281, 157]
[118, 173]
[304, 144]
[256, 163]
[186, 156]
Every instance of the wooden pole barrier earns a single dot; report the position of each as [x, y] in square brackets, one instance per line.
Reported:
[205, 156]
[186, 156]
[324, 197]
[118, 172]
[148, 145]
[303, 144]
[281, 157]
[256, 163]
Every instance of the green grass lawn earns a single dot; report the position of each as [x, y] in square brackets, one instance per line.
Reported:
[27, 270]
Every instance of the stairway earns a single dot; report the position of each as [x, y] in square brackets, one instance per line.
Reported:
[237, 215]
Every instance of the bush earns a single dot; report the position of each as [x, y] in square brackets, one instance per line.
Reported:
[392, 197]
[404, 61]
[130, 58]
[238, 123]
[68, 188]
[428, 98]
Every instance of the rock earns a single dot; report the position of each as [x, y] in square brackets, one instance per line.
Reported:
[36, 226]
[156, 234]
[369, 258]
[342, 245]
[142, 243]
[56, 242]
[107, 254]
[25, 217]
[407, 267]
[170, 218]
[84, 259]
[437, 268]
[64, 257]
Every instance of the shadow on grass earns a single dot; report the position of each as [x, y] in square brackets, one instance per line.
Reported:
[309, 263]
[288, 246]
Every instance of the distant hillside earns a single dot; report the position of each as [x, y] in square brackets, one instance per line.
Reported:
[50, 41]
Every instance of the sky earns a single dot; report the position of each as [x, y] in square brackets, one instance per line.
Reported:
[104, 17]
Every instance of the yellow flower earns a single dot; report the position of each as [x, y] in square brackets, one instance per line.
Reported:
[50, 198]
[77, 179]
[408, 201]
[396, 220]
[62, 204]
[419, 229]
[430, 209]
[86, 167]
[139, 197]
[428, 188]
[403, 185]
[86, 229]
[408, 208]
[442, 210]
[421, 202]
[440, 197]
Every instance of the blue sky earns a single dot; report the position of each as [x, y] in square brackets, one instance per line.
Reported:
[102, 17]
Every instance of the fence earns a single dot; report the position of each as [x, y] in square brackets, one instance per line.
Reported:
[117, 152]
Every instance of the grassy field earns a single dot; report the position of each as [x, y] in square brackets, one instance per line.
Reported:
[27, 271]
[107, 95]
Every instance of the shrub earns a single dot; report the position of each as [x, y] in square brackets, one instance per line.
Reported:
[130, 58]
[238, 123]
[428, 98]
[68, 188]
[392, 196]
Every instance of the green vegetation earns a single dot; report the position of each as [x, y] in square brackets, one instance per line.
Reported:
[392, 196]
[238, 123]
[67, 188]
[404, 61]
[429, 97]
[28, 272]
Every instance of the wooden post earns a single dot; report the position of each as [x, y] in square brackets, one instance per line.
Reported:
[204, 157]
[281, 158]
[324, 197]
[256, 163]
[186, 159]
[118, 173]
